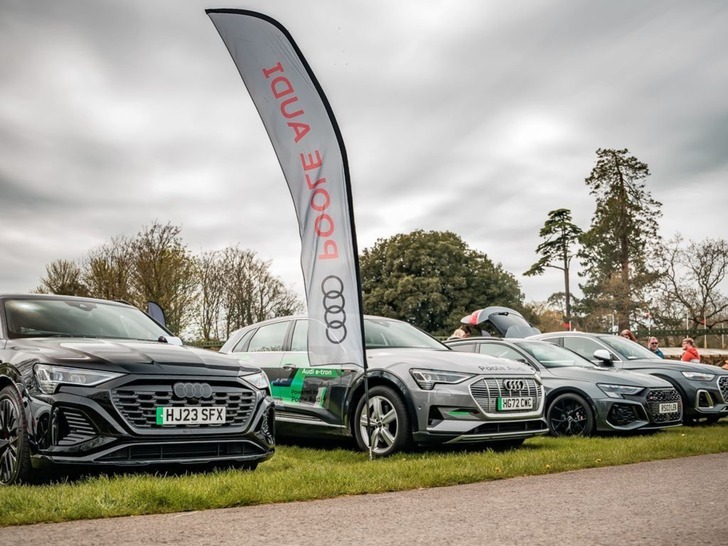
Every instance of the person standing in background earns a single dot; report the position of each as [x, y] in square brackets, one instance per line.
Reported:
[690, 352]
[653, 346]
[628, 334]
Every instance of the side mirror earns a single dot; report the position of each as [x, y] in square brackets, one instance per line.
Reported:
[604, 358]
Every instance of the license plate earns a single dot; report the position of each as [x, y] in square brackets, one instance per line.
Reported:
[511, 404]
[197, 415]
[668, 407]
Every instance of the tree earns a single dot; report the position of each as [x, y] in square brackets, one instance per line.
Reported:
[252, 293]
[63, 277]
[560, 234]
[207, 297]
[211, 295]
[690, 280]
[432, 279]
[163, 271]
[616, 250]
[108, 270]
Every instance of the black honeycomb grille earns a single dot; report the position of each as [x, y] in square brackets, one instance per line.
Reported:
[657, 397]
[138, 404]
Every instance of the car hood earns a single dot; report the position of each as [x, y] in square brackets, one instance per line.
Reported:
[672, 365]
[445, 360]
[606, 375]
[126, 356]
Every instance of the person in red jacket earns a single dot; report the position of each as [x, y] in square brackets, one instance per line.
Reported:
[690, 352]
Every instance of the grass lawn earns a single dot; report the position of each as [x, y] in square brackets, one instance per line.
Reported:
[299, 473]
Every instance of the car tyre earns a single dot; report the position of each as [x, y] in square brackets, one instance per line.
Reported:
[570, 415]
[389, 422]
[14, 449]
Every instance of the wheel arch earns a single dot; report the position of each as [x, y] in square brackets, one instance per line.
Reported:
[381, 378]
[569, 389]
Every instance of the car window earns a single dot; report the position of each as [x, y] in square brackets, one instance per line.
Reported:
[240, 346]
[299, 342]
[29, 317]
[582, 346]
[269, 337]
[628, 349]
[501, 351]
[553, 356]
[381, 332]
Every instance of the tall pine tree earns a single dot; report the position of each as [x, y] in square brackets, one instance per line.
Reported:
[617, 250]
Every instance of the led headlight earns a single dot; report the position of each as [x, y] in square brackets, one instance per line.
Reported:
[49, 377]
[617, 391]
[699, 376]
[257, 379]
[427, 379]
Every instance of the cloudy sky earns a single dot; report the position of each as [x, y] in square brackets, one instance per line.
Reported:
[477, 117]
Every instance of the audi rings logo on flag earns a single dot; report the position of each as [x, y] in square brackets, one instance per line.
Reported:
[514, 384]
[192, 390]
[334, 304]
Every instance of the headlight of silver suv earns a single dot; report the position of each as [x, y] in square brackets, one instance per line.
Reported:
[49, 377]
[427, 379]
[617, 391]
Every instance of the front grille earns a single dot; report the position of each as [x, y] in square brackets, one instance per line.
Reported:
[487, 391]
[137, 403]
[723, 386]
[187, 451]
[655, 397]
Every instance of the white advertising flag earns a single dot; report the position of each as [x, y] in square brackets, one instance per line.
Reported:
[310, 150]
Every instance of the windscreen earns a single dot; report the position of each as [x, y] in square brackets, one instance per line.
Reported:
[553, 356]
[381, 333]
[629, 350]
[78, 318]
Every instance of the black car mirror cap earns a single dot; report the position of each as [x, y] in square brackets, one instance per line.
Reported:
[603, 356]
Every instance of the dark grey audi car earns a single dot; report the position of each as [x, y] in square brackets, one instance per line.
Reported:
[582, 398]
[93, 382]
[703, 388]
[420, 391]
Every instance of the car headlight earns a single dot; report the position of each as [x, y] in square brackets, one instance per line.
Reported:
[427, 379]
[617, 391]
[257, 379]
[49, 377]
[699, 376]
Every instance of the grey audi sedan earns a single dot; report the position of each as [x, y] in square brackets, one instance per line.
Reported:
[582, 398]
[703, 388]
[420, 391]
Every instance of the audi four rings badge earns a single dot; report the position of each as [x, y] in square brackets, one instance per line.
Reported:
[514, 384]
[192, 390]
[334, 305]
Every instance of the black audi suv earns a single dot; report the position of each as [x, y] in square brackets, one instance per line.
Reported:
[93, 382]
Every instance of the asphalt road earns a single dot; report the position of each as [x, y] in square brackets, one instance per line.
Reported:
[680, 501]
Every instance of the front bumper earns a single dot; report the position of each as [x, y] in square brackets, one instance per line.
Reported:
[655, 409]
[115, 425]
[468, 412]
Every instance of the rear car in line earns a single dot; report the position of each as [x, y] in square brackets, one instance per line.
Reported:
[582, 398]
[703, 388]
[93, 382]
[420, 391]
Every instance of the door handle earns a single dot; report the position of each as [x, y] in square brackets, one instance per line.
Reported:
[289, 366]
